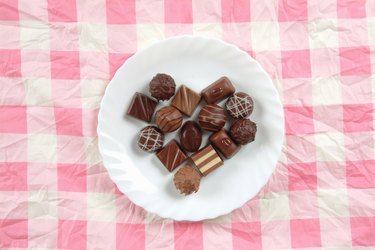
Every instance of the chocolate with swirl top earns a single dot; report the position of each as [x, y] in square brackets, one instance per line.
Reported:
[171, 156]
[219, 90]
[212, 117]
[168, 119]
[186, 100]
[150, 139]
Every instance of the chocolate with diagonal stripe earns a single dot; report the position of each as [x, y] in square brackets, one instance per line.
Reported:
[171, 156]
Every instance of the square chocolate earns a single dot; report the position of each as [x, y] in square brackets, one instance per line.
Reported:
[207, 160]
[224, 143]
[142, 107]
[171, 155]
[186, 100]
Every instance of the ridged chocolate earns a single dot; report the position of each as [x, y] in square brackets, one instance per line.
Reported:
[243, 131]
[168, 119]
[142, 107]
[187, 180]
[190, 136]
[239, 105]
[186, 100]
[207, 160]
[150, 139]
[218, 90]
[224, 143]
[162, 87]
[171, 156]
[212, 117]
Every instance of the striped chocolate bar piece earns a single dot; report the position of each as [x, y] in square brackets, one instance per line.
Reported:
[207, 160]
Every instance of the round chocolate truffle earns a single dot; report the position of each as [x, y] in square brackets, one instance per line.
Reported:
[150, 139]
[168, 119]
[240, 105]
[243, 131]
[187, 180]
[190, 136]
[212, 117]
[162, 87]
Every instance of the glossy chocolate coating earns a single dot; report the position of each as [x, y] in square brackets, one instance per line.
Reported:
[142, 107]
[186, 100]
[187, 180]
[224, 143]
[162, 87]
[150, 139]
[171, 156]
[218, 90]
[190, 136]
[243, 131]
[207, 160]
[168, 119]
[212, 117]
[239, 105]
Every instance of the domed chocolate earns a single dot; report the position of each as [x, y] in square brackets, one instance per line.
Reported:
[212, 117]
[168, 119]
[243, 131]
[162, 87]
[190, 136]
[239, 105]
[150, 139]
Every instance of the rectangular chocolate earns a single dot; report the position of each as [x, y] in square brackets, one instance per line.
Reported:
[186, 100]
[219, 90]
[142, 107]
[207, 160]
[224, 143]
[171, 156]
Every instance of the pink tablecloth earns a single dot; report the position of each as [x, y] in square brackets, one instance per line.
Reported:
[56, 58]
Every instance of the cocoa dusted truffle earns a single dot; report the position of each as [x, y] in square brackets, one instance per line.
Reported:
[168, 119]
[162, 87]
[243, 131]
[187, 180]
[240, 105]
[150, 139]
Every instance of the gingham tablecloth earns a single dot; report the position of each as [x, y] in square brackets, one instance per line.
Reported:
[56, 58]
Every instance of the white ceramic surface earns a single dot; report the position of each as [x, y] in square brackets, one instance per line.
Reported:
[195, 62]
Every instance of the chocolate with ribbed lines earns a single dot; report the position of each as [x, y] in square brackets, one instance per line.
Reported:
[168, 119]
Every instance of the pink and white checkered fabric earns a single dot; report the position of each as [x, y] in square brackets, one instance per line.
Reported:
[56, 58]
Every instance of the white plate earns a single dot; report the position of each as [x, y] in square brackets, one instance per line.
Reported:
[195, 62]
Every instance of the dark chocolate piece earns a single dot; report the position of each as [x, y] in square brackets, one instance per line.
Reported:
[224, 143]
[142, 107]
[212, 117]
[219, 90]
[162, 87]
[240, 105]
[186, 100]
[187, 180]
[150, 139]
[171, 156]
[168, 119]
[207, 160]
[190, 136]
[243, 131]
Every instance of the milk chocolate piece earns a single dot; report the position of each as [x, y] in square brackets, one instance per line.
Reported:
[162, 87]
[212, 117]
[187, 180]
[240, 105]
[168, 119]
[243, 131]
[219, 90]
[171, 156]
[150, 139]
[186, 100]
[224, 143]
[207, 160]
[142, 107]
[190, 136]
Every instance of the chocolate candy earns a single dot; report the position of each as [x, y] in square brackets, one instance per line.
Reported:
[243, 131]
[186, 100]
[190, 136]
[212, 117]
[187, 180]
[142, 107]
[224, 143]
[239, 105]
[219, 90]
[162, 87]
[207, 160]
[168, 119]
[171, 156]
[150, 139]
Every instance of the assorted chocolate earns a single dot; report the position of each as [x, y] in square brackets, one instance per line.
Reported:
[211, 117]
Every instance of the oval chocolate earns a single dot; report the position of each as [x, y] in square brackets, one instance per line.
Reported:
[190, 136]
